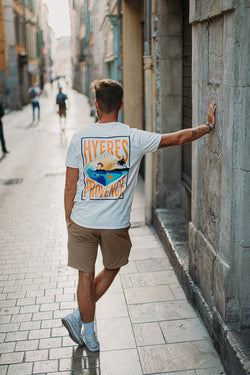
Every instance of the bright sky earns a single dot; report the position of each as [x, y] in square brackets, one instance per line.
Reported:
[59, 16]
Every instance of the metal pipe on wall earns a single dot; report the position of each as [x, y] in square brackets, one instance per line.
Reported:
[147, 59]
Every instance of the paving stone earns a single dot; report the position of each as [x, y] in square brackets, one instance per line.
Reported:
[26, 326]
[61, 313]
[67, 305]
[29, 309]
[3, 369]
[8, 303]
[81, 362]
[45, 299]
[129, 268]
[49, 306]
[14, 295]
[183, 330]
[39, 333]
[25, 301]
[5, 319]
[148, 334]
[210, 371]
[191, 372]
[151, 265]
[50, 343]
[156, 252]
[36, 355]
[9, 310]
[153, 278]
[27, 345]
[53, 323]
[122, 362]
[45, 366]
[7, 347]
[158, 311]
[148, 294]
[42, 315]
[7, 358]
[111, 306]
[177, 291]
[115, 333]
[59, 353]
[21, 318]
[177, 357]
[17, 336]
[58, 332]
[20, 369]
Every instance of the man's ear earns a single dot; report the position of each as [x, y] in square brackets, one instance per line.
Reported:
[121, 107]
[96, 105]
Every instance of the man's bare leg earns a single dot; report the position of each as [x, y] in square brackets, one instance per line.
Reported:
[91, 289]
[103, 281]
[86, 296]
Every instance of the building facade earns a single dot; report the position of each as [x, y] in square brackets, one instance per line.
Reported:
[25, 49]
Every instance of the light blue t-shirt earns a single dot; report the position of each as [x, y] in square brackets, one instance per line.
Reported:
[108, 158]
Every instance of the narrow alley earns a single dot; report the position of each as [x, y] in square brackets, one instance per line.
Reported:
[144, 323]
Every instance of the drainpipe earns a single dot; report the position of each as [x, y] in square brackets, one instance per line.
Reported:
[119, 41]
[147, 60]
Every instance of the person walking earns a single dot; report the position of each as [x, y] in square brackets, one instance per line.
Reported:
[34, 94]
[4, 149]
[61, 101]
[102, 167]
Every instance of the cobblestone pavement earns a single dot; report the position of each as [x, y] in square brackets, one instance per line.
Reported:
[144, 323]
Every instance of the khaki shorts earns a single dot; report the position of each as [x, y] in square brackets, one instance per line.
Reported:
[83, 243]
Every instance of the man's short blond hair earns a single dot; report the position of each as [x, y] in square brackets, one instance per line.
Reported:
[108, 94]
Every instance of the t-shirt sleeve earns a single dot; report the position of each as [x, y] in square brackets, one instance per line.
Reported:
[73, 156]
[147, 141]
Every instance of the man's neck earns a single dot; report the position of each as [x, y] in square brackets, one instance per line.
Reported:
[107, 117]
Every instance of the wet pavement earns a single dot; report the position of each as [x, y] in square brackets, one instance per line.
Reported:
[144, 323]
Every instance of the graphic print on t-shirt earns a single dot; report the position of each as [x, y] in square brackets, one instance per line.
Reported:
[106, 163]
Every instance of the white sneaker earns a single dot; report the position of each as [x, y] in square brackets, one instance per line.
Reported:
[73, 323]
[91, 342]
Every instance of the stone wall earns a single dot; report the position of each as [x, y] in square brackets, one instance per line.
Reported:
[167, 36]
[220, 209]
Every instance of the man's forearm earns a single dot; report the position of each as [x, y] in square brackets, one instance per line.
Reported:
[69, 195]
[183, 136]
[190, 135]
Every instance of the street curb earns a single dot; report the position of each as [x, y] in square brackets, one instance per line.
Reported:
[232, 344]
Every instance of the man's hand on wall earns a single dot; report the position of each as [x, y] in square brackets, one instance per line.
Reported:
[210, 114]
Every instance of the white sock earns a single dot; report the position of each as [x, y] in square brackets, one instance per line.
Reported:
[89, 328]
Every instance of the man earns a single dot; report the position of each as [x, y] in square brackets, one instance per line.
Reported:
[4, 150]
[102, 169]
[34, 93]
[61, 101]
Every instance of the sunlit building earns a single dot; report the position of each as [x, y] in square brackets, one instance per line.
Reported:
[24, 49]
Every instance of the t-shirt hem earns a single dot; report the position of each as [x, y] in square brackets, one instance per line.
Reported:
[121, 226]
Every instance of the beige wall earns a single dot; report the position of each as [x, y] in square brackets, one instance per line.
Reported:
[132, 66]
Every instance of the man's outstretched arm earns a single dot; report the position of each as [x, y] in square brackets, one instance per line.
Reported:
[72, 175]
[189, 135]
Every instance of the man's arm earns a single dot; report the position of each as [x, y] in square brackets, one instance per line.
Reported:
[72, 175]
[189, 135]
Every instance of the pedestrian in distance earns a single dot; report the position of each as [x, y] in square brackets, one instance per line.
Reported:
[4, 149]
[102, 166]
[61, 101]
[34, 94]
